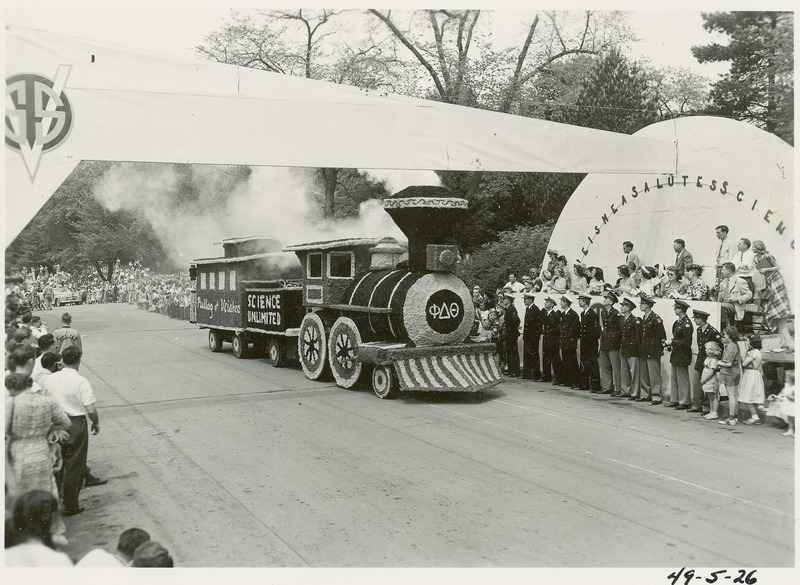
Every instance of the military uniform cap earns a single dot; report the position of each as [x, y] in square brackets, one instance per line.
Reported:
[648, 300]
[567, 299]
[682, 304]
[629, 302]
[699, 313]
[585, 297]
[551, 300]
[609, 294]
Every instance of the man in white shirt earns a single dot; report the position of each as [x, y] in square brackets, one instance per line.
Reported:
[745, 263]
[74, 395]
[725, 251]
[516, 285]
[126, 546]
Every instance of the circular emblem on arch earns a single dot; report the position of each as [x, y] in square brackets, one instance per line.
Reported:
[38, 112]
[444, 311]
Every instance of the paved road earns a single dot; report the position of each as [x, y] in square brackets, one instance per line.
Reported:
[234, 463]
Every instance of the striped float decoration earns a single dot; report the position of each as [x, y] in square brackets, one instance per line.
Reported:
[449, 373]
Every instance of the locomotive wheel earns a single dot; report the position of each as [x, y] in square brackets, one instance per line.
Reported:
[384, 382]
[276, 353]
[312, 347]
[344, 340]
[214, 340]
[239, 346]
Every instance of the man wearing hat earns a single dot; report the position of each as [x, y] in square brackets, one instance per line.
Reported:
[65, 336]
[589, 336]
[551, 331]
[629, 350]
[568, 339]
[652, 348]
[531, 331]
[705, 333]
[681, 357]
[610, 337]
[511, 335]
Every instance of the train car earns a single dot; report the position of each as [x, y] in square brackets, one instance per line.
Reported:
[250, 297]
[405, 322]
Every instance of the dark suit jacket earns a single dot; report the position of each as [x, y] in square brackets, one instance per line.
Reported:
[551, 329]
[611, 336]
[589, 334]
[682, 331]
[533, 324]
[569, 329]
[653, 334]
[631, 332]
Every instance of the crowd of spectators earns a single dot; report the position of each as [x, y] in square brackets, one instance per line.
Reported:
[612, 352]
[48, 406]
[169, 294]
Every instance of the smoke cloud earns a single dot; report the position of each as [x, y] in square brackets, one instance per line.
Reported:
[192, 209]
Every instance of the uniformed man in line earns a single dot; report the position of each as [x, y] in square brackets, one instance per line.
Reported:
[589, 336]
[608, 362]
[629, 350]
[652, 348]
[705, 333]
[551, 358]
[510, 336]
[568, 340]
[681, 347]
[531, 332]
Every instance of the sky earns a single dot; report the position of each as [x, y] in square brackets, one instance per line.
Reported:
[175, 27]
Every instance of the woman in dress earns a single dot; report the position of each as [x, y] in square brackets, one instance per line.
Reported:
[29, 419]
[625, 284]
[696, 289]
[37, 527]
[559, 282]
[596, 283]
[751, 386]
[648, 284]
[579, 282]
[672, 287]
[777, 305]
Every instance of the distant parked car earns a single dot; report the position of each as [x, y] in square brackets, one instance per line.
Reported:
[65, 296]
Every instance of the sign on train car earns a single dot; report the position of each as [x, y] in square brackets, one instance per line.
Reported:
[273, 309]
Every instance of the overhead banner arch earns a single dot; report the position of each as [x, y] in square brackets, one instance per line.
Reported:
[70, 99]
[728, 173]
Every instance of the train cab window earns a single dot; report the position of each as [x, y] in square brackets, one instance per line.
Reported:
[211, 283]
[340, 264]
[202, 280]
[232, 283]
[315, 265]
[221, 280]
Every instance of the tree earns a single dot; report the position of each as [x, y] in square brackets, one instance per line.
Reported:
[515, 251]
[464, 67]
[74, 229]
[760, 85]
[301, 42]
[617, 96]
[679, 91]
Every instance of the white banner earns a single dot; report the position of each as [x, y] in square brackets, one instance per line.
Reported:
[69, 100]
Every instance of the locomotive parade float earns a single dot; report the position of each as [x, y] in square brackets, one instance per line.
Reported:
[354, 308]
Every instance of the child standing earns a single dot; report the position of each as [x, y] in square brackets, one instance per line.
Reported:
[751, 387]
[730, 372]
[788, 402]
[709, 379]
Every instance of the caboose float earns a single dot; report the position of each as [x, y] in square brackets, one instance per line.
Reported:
[362, 309]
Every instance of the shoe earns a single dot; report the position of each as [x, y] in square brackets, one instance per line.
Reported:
[93, 481]
[609, 391]
[682, 407]
[617, 394]
[711, 416]
[72, 512]
[671, 404]
[633, 398]
[655, 403]
[789, 433]
[753, 420]
[641, 399]
[729, 421]
[693, 409]
[597, 392]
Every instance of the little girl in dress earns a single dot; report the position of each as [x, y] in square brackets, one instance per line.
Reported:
[709, 379]
[751, 386]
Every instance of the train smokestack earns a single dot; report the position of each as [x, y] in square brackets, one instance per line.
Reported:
[428, 216]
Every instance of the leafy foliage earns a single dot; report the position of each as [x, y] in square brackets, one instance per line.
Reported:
[760, 85]
[515, 251]
[617, 96]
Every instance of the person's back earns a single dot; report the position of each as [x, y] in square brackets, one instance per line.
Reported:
[66, 336]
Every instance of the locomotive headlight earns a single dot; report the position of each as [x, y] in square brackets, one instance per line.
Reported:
[441, 257]
[447, 259]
